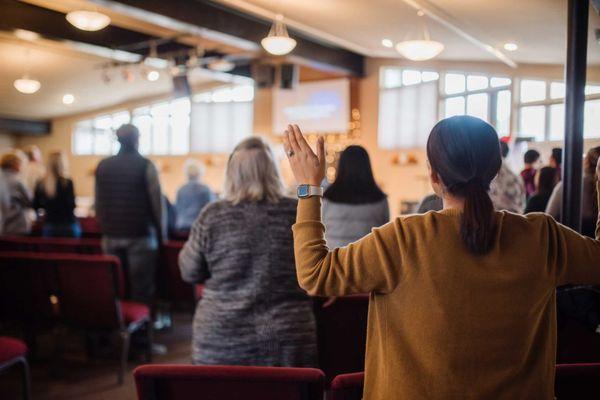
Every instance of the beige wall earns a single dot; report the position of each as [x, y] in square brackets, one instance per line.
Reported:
[402, 182]
[6, 142]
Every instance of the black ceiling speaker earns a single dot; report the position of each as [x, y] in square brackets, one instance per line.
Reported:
[289, 76]
[263, 75]
[181, 86]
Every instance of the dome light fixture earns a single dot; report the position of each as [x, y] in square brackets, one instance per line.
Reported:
[278, 42]
[387, 43]
[26, 85]
[221, 65]
[88, 20]
[511, 47]
[420, 49]
[68, 99]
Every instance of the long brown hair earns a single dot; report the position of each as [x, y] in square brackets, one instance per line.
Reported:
[465, 153]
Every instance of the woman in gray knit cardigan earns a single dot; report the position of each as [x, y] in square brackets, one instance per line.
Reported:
[252, 311]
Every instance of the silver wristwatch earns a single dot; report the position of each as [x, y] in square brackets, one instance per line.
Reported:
[306, 191]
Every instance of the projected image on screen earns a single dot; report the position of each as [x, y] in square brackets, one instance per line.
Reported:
[317, 107]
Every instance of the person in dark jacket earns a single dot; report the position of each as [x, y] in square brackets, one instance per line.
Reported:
[546, 179]
[54, 194]
[530, 158]
[129, 210]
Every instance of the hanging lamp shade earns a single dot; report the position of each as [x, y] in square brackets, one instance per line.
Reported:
[278, 42]
[419, 50]
[88, 20]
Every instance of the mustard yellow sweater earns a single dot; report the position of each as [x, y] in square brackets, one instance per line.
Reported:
[444, 323]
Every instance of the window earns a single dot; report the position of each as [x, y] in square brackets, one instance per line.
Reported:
[488, 98]
[542, 110]
[164, 127]
[221, 118]
[407, 107]
[96, 136]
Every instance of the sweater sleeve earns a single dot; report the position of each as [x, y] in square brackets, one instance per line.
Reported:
[192, 261]
[371, 264]
[577, 256]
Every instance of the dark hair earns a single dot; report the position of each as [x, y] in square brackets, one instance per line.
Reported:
[531, 156]
[546, 180]
[557, 155]
[504, 149]
[465, 153]
[354, 182]
[128, 136]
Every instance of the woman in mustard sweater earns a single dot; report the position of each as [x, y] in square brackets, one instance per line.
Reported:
[462, 300]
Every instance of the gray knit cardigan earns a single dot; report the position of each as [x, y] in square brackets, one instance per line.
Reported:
[252, 311]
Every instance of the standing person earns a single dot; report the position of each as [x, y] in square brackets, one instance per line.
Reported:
[530, 158]
[556, 161]
[4, 201]
[438, 305]
[34, 170]
[546, 179]
[507, 190]
[16, 213]
[252, 311]
[589, 203]
[55, 195]
[431, 202]
[353, 204]
[129, 210]
[191, 197]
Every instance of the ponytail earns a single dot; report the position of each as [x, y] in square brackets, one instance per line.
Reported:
[477, 225]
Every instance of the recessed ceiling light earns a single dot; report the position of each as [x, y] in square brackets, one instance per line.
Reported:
[24, 34]
[68, 99]
[510, 46]
[153, 75]
[88, 20]
[387, 43]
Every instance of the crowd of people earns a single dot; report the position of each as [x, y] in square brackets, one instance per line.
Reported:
[443, 284]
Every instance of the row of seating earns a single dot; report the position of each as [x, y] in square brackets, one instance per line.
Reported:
[170, 287]
[41, 291]
[179, 382]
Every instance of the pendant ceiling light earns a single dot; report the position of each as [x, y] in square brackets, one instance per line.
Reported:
[278, 42]
[27, 85]
[88, 20]
[420, 49]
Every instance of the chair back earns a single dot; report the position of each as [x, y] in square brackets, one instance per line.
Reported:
[170, 285]
[342, 335]
[50, 245]
[347, 387]
[89, 290]
[90, 227]
[179, 382]
[27, 288]
[577, 381]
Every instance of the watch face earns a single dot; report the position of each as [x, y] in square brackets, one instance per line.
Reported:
[303, 191]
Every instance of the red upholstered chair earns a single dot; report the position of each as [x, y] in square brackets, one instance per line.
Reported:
[89, 292]
[577, 381]
[342, 334]
[171, 287]
[347, 387]
[12, 355]
[50, 245]
[182, 382]
[90, 228]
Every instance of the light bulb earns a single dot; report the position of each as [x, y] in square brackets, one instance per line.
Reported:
[387, 43]
[88, 20]
[510, 46]
[27, 85]
[153, 75]
[68, 99]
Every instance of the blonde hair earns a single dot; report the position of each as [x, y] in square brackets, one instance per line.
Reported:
[57, 170]
[252, 174]
[194, 169]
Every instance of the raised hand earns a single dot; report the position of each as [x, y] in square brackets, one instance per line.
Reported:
[308, 167]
